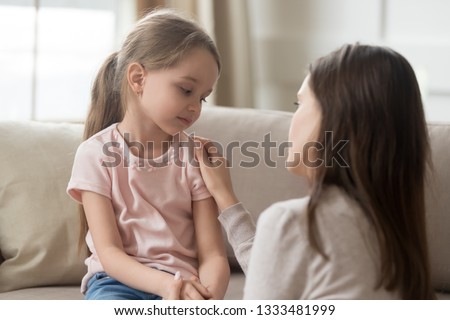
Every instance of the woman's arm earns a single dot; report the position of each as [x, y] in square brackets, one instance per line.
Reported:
[240, 230]
[108, 244]
[214, 271]
[280, 257]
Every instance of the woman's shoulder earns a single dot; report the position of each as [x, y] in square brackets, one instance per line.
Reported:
[336, 202]
[284, 215]
[291, 207]
[339, 215]
[333, 203]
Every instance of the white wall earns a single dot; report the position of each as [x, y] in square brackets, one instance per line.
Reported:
[286, 35]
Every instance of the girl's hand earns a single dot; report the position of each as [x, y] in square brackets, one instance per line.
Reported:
[174, 289]
[193, 290]
[187, 290]
[215, 173]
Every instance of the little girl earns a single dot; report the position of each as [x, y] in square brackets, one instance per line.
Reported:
[360, 234]
[149, 215]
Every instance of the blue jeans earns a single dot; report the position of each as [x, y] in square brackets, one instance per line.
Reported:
[103, 287]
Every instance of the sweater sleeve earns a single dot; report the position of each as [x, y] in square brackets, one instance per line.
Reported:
[279, 259]
[240, 230]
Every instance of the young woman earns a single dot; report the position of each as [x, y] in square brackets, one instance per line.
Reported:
[360, 234]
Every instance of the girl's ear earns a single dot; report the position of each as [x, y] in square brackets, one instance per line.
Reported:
[135, 77]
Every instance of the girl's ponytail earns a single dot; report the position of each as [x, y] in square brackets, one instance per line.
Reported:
[106, 107]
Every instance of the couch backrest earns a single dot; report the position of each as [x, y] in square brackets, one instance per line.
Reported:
[438, 206]
[38, 222]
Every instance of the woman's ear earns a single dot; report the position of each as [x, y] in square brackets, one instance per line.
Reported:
[135, 77]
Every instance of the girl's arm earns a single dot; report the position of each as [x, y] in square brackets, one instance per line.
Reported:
[117, 264]
[214, 270]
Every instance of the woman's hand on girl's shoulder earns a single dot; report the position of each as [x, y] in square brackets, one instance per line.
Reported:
[215, 172]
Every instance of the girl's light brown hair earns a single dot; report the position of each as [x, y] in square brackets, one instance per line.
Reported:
[369, 96]
[158, 41]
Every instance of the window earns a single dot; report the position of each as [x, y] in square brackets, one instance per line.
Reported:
[287, 38]
[51, 51]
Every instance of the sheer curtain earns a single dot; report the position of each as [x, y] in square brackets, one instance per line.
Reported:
[52, 49]
[227, 23]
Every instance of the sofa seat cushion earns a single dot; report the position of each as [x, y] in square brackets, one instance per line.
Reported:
[44, 293]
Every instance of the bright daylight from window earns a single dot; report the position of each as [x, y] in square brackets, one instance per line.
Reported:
[50, 50]
[49, 56]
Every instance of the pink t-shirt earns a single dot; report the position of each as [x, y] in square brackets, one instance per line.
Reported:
[152, 201]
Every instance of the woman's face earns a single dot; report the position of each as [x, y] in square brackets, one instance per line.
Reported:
[304, 132]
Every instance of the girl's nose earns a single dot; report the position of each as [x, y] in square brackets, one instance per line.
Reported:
[194, 107]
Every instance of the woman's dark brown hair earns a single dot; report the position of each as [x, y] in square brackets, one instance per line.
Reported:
[369, 96]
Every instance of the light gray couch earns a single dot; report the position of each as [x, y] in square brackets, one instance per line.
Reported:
[39, 223]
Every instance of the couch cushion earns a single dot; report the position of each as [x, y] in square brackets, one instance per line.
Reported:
[438, 206]
[44, 293]
[38, 221]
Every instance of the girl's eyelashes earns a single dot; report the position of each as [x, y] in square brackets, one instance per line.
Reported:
[186, 91]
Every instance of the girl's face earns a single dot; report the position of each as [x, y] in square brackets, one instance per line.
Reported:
[303, 132]
[172, 98]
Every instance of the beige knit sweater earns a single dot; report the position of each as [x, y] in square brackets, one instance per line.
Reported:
[280, 263]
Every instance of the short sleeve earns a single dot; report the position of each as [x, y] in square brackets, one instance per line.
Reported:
[196, 183]
[89, 172]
